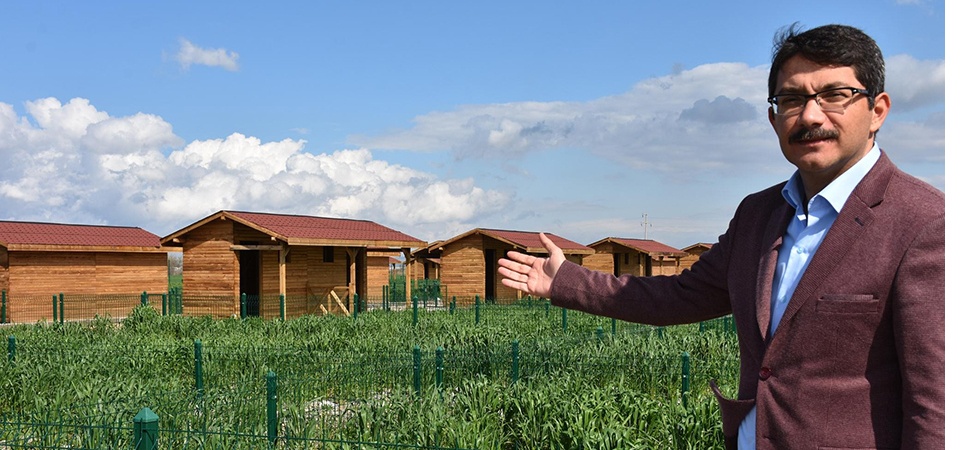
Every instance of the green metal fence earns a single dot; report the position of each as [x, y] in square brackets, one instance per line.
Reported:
[223, 393]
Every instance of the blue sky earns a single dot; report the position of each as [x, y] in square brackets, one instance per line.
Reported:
[433, 118]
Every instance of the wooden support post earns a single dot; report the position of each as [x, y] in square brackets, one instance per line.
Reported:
[408, 272]
[282, 270]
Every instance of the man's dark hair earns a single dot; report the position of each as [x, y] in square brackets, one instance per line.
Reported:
[835, 46]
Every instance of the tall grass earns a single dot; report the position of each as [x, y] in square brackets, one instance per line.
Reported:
[353, 380]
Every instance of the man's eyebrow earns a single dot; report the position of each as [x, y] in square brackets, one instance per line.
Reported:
[804, 91]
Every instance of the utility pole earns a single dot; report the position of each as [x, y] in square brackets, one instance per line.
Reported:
[645, 225]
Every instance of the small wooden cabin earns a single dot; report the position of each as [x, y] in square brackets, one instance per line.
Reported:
[693, 254]
[468, 262]
[39, 260]
[426, 262]
[641, 257]
[314, 263]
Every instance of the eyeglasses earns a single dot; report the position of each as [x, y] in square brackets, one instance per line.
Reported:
[831, 100]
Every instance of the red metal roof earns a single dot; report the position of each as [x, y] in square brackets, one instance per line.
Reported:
[310, 227]
[54, 234]
[531, 240]
[643, 245]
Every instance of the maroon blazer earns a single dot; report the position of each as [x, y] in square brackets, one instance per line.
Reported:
[858, 360]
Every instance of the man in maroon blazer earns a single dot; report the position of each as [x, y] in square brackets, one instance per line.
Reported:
[836, 279]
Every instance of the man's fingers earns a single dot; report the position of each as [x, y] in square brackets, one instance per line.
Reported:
[520, 258]
[510, 270]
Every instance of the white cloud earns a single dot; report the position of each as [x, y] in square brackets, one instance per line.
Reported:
[190, 54]
[914, 84]
[81, 165]
[709, 118]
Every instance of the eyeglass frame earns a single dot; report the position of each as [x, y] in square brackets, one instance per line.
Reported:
[815, 97]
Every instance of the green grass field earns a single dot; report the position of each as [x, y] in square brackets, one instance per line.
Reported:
[523, 377]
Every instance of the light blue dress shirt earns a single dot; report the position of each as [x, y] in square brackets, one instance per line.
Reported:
[803, 236]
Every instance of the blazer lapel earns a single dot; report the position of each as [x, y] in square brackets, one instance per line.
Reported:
[849, 228]
[772, 240]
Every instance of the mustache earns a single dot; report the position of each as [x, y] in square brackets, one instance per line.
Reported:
[813, 134]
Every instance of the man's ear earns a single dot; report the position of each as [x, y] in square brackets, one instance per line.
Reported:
[772, 118]
[883, 103]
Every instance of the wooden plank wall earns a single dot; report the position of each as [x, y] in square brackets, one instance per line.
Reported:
[309, 281]
[39, 275]
[4, 270]
[665, 266]
[211, 271]
[462, 269]
[601, 260]
[86, 273]
[502, 293]
[378, 274]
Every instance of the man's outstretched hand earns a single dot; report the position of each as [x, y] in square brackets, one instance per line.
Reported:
[531, 274]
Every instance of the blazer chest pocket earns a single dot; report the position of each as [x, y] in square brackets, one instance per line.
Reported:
[847, 304]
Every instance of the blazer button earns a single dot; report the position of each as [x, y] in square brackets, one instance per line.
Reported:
[765, 373]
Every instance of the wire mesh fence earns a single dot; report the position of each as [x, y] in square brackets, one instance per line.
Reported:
[494, 376]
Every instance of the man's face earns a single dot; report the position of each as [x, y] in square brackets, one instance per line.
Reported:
[822, 145]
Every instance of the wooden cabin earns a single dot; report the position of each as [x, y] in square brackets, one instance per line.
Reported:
[101, 270]
[468, 262]
[640, 257]
[693, 252]
[238, 262]
[426, 262]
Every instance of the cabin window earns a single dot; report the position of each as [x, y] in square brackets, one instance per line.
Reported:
[626, 258]
[328, 254]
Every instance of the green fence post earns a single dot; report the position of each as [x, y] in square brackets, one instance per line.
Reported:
[700, 327]
[271, 408]
[613, 327]
[598, 335]
[282, 306]
[3, 306]
[417, 369]
[514, 361]
[164, 305]
[660, 332]
[199, 368]
[178, 300]
[11, 348]
[415, 310]
[440, 358]
[54, 308]
[452, 306]
[242, 311]
[476, 306]
[384, 297]
[357, 305]
[564, 319]
[143, 298]
[61, 304]
[146, 430]
[685, 377]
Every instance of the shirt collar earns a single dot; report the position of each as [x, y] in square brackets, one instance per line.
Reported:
[837, 191]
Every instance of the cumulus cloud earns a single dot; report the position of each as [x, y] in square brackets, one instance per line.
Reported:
[72, 163]
[914, 84]
[190, 54]
[709, 118]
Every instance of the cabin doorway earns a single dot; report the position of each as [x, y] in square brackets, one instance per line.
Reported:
[490, 282]
[249, 279]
